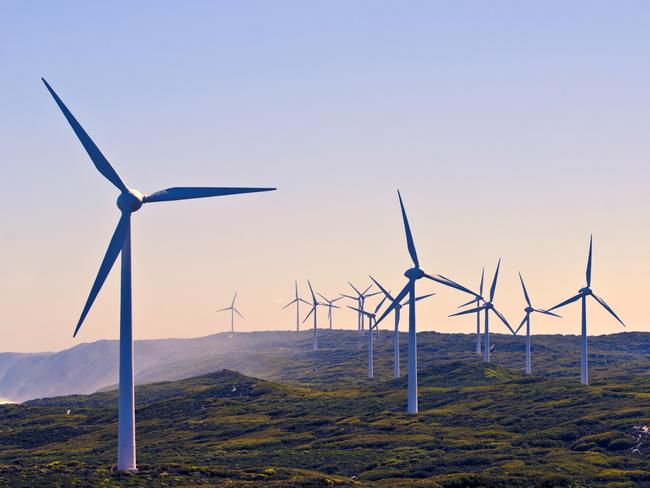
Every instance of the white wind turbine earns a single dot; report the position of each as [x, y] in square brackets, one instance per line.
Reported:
[128, 201]
[314, 305]
[529, 310]
[233, 311]
[582, 295]
[330, 305]
[488, 306]
[361, 300]
[413, 274]
[297, 301]
[372, 324]
[477, 302]
[397, 310]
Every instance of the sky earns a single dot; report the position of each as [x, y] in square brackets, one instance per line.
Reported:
[513, 130]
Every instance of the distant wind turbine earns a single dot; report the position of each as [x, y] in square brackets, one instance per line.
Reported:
[488, 306]
[314, 305]
[397, 309]
[330, 305]
[372, 324]
[361, 300]
[413, 274]
[129, 201]
[297, 301]
[233, 311]
[583, 293]
[529, 310]
[477, 301]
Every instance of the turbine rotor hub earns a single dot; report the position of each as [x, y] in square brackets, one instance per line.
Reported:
[130, 201]
[585, 291]
[489, 305]
[529, 310]
[414, 274]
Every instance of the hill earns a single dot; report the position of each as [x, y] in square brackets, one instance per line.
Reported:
[480, 425]
[287, 357]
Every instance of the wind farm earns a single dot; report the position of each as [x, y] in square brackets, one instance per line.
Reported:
[386, 302]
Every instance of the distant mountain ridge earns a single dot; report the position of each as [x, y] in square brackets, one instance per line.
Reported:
[286, 356]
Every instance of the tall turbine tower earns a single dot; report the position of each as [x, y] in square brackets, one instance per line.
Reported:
[582, 295]
[314, 306]
[413, 274]
[488, 306]
[372, 324]
[397, 310]
[297, 301]
[233, 311]
[330, 305]
[529, 310]
[128, 201]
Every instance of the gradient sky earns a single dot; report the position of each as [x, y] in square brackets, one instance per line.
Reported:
[513, 129]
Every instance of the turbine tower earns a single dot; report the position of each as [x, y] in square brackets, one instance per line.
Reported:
[297, 301]
[413, 274]
[529, 310]
[372, 324]
[397, 310]
[233, 311]
[488, 306]
[582, 295]
[330, 305]
[128, 201]
[477, 301]
[314, 306]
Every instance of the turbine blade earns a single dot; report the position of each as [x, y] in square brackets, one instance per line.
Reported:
[566, 302]
[319, 294]
[383, 290]
[591, 241]
[296, 283]
[480, 292]
[608, 308]
[333, 306]
[96, 156]
[424, 296]
[523, 285]
[450, 283]
[185, 193]
[227, 308]
[472, 301]
[407, 230]
[114, 248]
[493, 288]
[349, 296]
[380, 304]
[233, 299]
[366, 290]
[314, 301]
[546, 312]
[290, 303]
[359, 310]
[336, 299]
[466, 312]
[395, 302]
[310, 312]
[237, 312]
[522, 324]
[503, 319]
[372, 294]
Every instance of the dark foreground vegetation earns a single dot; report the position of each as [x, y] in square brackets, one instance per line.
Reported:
[320, 423]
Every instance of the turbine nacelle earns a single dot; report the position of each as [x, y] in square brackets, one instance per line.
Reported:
[529, 310]
[585, 291]
[130, 201]
[414, 274]
[489, 305]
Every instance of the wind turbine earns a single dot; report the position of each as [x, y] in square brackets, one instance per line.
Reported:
[397, 310]
[477, 301]
[330, 305]
[529, 310]
[314, 305]
[413, 274]
[488, 306]
[233, 311]
[361, 300]
[372, 324]
[128, 201]
[583, 293]
[297, 301]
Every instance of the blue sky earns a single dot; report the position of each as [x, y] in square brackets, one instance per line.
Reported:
[513, 129]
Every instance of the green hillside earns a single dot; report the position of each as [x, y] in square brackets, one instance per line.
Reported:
[321, 423]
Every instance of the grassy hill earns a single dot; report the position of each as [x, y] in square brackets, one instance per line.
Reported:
[321, 423]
